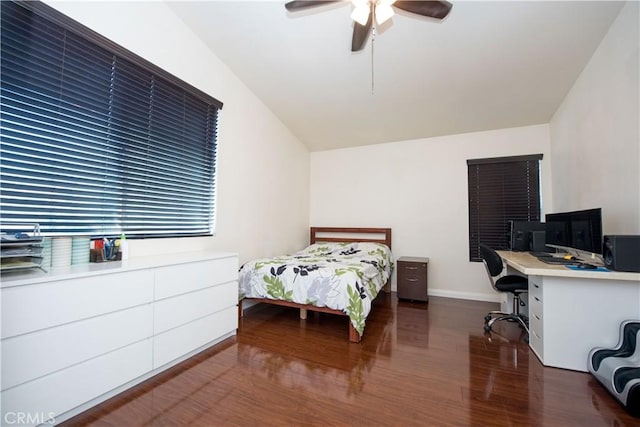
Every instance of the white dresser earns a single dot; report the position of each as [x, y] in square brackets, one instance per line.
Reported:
[75, 337]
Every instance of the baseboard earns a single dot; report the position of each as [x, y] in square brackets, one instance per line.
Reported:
[465, 295]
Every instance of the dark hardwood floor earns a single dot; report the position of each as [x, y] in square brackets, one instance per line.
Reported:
[418, 364]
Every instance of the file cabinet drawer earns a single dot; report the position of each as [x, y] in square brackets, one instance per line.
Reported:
[535, 288]
[536, 343]
[412, 278]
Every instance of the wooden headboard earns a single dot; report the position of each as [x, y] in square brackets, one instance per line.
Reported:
[350, 234]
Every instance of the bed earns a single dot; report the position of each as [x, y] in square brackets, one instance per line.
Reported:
[341, 272]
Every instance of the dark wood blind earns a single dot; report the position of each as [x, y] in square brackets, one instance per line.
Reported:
[96, 140]
[500, 190]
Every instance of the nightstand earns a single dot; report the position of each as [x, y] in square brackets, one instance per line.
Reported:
[412, 278]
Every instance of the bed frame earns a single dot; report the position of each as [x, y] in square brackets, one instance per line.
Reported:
[334, 234]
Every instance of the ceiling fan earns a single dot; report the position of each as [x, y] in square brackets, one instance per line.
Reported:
[366, 11]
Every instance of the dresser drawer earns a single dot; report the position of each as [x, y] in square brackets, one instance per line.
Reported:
[72, 343]
[172, 312]
[182, 278]
[179, 341]
[60, 391]
[35, 307]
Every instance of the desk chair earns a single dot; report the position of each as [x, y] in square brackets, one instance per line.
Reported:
[510, 283]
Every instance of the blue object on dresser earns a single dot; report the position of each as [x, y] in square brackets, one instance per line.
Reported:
[618, 369]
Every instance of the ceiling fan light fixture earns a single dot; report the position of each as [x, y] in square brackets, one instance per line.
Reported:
[383, 12]
[369, 13]
[361, 12]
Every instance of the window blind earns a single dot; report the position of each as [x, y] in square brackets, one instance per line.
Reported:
[96, 140]
[501, 190]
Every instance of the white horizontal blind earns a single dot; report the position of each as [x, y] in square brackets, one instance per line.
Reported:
[95, 141]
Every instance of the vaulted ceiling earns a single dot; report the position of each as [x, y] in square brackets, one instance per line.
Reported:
[488, 65]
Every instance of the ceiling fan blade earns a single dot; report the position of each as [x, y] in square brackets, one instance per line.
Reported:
[294, 6]
[361, 33]
[432, 9]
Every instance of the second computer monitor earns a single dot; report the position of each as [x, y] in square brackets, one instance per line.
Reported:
[522, 234]
[578, 230]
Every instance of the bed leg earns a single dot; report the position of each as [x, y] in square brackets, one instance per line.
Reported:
[303, 314]
[240, 312]
[387, 286]
[354, 336]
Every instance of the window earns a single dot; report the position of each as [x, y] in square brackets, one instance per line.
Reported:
[500, 190]
[96, 140]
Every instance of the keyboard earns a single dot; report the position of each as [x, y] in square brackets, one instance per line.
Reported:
[539, 254]
[555, 260]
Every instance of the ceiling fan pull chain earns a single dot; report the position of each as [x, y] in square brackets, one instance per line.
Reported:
[373, 40]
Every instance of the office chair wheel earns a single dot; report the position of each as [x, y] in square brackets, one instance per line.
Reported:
[487, 318]
[487, 328]
[526, 339]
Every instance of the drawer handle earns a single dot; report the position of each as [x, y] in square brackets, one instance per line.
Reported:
[411, 280]
[536, 316]
[411, 268]
[536, 285]
[537, 299]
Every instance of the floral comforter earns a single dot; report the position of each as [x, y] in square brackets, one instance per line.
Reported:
[341, 276]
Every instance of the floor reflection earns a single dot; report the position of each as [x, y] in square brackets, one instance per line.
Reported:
[332, 365]
[498, 377]
[418, 365]
[605, 406]
[412, 324]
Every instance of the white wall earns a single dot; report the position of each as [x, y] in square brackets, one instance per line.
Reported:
[591, 155]
[419, 188]
[263, 170]
[269, 193]
[595, 134]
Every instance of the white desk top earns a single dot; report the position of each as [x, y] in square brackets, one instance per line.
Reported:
[527, 264]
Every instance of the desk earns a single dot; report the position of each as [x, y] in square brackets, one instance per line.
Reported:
[573, 311]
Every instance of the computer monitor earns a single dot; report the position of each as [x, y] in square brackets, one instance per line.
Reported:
[581, 235]
[556, 232]
[578, 229]
[521, 234]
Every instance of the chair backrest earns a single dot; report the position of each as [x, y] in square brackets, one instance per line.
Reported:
[491, 260]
